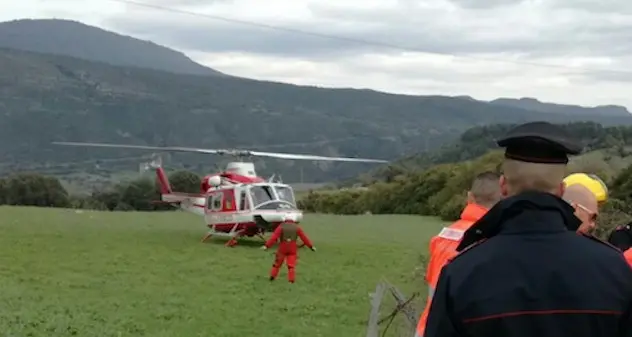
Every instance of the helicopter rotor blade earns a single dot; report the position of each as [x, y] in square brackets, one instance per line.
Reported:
[153, 148]
[313, 157]
[242, 153]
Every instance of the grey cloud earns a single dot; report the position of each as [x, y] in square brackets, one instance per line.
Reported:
[433, 32]
[179, 3]
[595, 6]
[223, 37]
[485, 4]
[600, 6]
[624, 77]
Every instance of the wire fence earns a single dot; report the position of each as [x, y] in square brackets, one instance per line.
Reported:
[404, 307]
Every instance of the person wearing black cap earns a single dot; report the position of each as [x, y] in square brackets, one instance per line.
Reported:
[523, 270]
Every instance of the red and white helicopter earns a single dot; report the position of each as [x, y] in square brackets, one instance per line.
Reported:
[235, 202]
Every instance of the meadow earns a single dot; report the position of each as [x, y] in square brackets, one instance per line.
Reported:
[68, 273]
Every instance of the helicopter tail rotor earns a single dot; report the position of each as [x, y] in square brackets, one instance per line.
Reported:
[154, 163]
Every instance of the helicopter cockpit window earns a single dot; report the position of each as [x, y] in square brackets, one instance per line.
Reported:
[215, 202]
[261, 194]
[285, 194]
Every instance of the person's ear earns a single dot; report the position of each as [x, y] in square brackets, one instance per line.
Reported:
[470, 198]
[561, 189]
[504, 190]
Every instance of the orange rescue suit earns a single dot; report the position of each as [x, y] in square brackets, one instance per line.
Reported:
[628, 256]
[443, 248]
[287, 233]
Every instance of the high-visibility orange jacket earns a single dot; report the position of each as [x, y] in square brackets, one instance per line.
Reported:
[628, 256]
[443, 248]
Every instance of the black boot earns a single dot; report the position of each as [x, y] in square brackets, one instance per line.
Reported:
[271, 278]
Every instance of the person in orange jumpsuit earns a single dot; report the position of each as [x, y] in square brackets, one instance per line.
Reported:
[484, 193]
[286, 234]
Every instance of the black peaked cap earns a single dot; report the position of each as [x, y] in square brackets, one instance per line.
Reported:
[539, 142]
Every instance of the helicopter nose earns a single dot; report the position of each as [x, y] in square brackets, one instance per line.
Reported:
[283, 216]
[293, 216]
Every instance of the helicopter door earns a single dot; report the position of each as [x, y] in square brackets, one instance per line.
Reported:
[229, 201]
[243, 200]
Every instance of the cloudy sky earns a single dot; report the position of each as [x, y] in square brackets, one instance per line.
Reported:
[565, 51]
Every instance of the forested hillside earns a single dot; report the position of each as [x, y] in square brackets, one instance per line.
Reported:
[47, 97]
[477, 141]
[440, 189]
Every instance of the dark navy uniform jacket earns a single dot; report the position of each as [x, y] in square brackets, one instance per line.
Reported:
[534, 277]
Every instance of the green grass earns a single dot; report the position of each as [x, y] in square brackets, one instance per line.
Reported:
[147, 274]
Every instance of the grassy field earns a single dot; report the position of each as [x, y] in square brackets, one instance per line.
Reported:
[143, 274]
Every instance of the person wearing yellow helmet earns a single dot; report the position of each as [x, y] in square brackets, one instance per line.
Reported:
[585, 192]
[585, 205]
[591, 182]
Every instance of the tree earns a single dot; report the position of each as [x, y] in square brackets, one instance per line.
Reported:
[438, 190]
[31, 189]
[185, 181]
[140, 194]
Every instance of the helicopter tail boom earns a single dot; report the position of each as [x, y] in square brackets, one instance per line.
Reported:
[163, 181]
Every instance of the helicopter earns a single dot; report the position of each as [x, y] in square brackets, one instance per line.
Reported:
[235, 202]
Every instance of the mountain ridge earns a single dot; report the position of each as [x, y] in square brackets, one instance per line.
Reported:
[534, 104]
[76, 39]
[46, 97]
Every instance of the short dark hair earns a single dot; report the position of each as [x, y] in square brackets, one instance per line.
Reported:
[486, 188]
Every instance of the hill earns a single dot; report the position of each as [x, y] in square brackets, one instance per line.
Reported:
[439, 189]
[479, 140]
[46, 97]
[535, 105]
[50, 98]
[71, 38]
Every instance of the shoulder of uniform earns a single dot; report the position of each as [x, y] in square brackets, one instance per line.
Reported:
[453, 234]
[466, 249]
[596, 239]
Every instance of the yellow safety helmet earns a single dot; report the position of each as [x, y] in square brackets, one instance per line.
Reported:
[591, 182]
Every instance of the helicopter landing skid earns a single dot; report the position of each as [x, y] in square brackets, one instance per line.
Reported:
[234, 234]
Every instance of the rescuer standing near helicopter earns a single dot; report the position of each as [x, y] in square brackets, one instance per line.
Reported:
[287, 233]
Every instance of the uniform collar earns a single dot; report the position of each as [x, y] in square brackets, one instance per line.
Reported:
[535, 221]
[526, 212]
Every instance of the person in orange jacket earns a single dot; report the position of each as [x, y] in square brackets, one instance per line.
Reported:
[628, 256]
[484, 193]
[286, 234]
